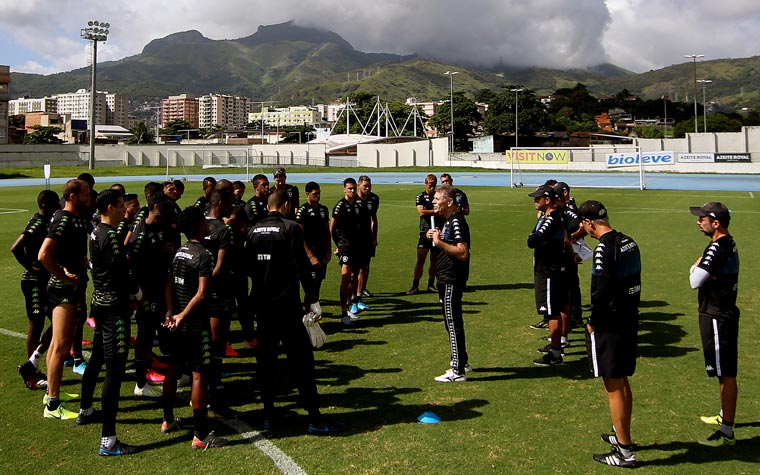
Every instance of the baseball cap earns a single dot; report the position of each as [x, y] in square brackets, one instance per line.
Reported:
[560, 187]
[279, 171]
[714, 210]
[544, 190]
[592, 210]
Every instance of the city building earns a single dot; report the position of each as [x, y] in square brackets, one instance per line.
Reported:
[110, 109]
[5, 81]
[181, 107]
[24, 105]
[77, 105]
[44, 119]
[229, 112]
[287, 116]
[428, 109]
[117, 110]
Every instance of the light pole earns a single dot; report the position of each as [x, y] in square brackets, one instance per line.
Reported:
[95, 31]
[694, 59]
[451, 74]
[704, 101]
[517, 92]
[665, 105]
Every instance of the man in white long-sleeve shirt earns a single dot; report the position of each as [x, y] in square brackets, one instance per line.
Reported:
[716, 274]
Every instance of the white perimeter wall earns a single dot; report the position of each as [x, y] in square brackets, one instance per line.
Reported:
[421, 153]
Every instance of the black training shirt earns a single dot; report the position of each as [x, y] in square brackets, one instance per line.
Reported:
[717, 295]
[449, 269]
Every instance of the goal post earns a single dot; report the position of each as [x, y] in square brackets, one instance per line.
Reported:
[573, 159]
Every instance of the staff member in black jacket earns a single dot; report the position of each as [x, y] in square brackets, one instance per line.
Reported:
[275, 257]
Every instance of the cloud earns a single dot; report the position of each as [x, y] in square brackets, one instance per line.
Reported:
[636, 34]
[651, 34]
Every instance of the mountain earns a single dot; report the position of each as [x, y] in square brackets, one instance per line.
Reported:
[293, 64]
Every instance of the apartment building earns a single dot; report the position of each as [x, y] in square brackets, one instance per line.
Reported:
[287, 116]
[428, 109]
[181, 107]
[24, 105]
[77, 105]
[117, 109]
[230, 112]
[110, 109]
[5, 81]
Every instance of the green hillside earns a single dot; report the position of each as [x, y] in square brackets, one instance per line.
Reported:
[296, 65]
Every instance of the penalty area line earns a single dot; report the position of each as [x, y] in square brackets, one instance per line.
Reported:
[287, 465]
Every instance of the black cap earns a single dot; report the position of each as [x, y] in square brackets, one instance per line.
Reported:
[544, 190]
[279, 171]
[714, 210]
[560, 187]
[592, 210]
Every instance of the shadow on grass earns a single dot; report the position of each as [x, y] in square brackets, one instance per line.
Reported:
[369, 409]
[577, 369]
[510, 286]
[658, 339]
[690, 452]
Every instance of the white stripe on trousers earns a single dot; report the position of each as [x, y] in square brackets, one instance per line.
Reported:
[716, 341]
[448, 318]
[593, 356]
[549, 297]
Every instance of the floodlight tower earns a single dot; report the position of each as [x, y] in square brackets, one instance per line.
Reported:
[704, 100]
[517, 92]
[95, 31]
[451, 74]
[694, 59]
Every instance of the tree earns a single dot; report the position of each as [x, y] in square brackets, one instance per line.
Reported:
[43, 135]
[578, 99]
[485, 95]
[752, 118]
[16, 121]
[466, 119]
[141, 134]
[651, 132]
[715, 123]
[723, 123]
[531, 113]
[297, 134]
[179, 127]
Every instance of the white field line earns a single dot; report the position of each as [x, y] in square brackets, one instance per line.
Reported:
[287, 465]
[751, 195]
[12, 210]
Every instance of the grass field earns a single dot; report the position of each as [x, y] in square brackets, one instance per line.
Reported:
[509, 417]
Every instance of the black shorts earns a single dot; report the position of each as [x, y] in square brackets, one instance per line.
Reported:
[152, 311]
[35, 295]
[424, 242]
[221, 305]
[612, 354]
[719, 345]
[551, 294]
[114, 326]
[67, 295]
[188, 348]
[355, 259]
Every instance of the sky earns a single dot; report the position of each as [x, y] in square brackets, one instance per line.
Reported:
[43, 36]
